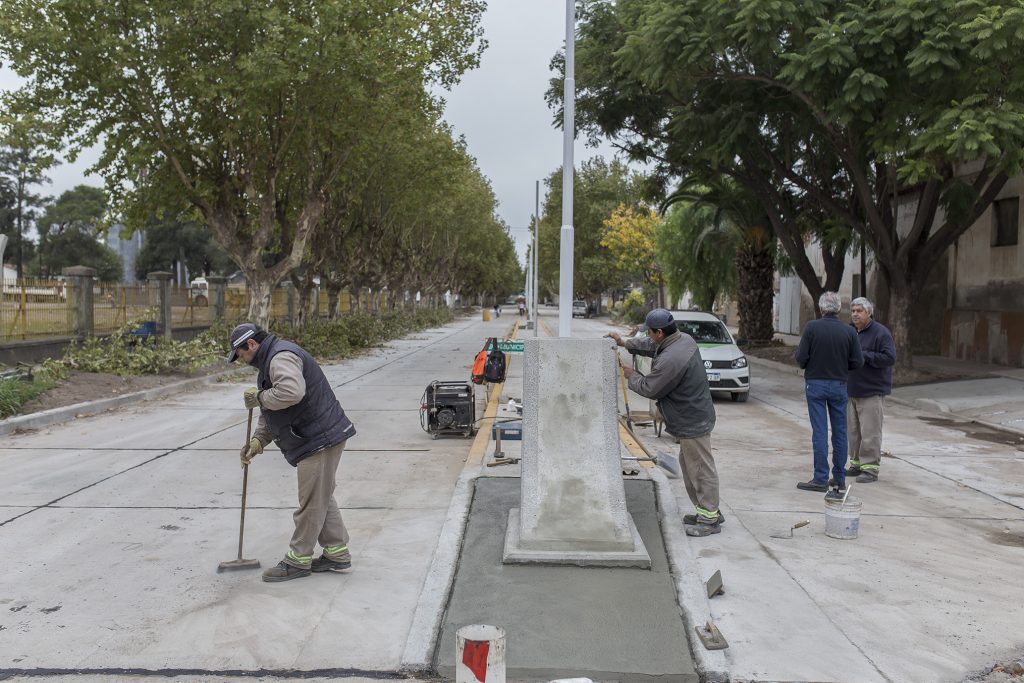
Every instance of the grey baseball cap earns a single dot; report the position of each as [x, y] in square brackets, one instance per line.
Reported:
[658, 319]
[239, 336]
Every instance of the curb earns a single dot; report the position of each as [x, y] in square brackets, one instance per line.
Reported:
[53, 416]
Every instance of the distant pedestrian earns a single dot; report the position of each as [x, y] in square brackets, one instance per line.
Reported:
[522, 307]
[827, 352]
[867, 387]
[300, 413]
[679, 383]
[497, 310]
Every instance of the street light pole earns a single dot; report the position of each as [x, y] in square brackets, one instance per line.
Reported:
[536, 246]
[565, 264]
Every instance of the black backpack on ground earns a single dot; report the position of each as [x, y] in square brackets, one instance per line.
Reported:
[494, 369]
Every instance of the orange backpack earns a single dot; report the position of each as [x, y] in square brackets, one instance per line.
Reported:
[480, 363]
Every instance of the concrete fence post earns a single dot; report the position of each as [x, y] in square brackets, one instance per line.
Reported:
[218, 290]
[161, 281]
[80, 298]
[480, 654]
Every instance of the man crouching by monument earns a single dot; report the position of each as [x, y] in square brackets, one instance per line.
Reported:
[300, 412]
[679, 383]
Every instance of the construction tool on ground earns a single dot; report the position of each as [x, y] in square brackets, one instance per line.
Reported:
[795, 526]
[240, 563]
[666, 462]
[503, 461]
[625, 390]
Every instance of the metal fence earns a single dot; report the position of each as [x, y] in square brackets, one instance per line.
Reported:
[33, 308]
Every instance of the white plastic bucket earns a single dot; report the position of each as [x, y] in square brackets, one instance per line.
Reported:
[480, 654]
[842, 521]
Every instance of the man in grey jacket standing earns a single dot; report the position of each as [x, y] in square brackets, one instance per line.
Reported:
[300, 413]
[679, 383]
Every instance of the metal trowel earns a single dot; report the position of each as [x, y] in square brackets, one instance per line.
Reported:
[795, 526]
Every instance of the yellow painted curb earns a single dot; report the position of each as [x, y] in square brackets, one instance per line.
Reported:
[483, 434]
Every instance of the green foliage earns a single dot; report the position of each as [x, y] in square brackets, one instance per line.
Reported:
[632, 309]
[15, 393]
[335, 339]
[75, 248]
[695, 261]
[168, 241]
[122, 354]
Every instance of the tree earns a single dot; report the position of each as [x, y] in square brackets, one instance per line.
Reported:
[248, 112]
[629, 237]
[24, 160]
[692, 262]
[858, 110]
[737, 226]
[76, 248]
[81, 209]
[598, 189]
[170, 242]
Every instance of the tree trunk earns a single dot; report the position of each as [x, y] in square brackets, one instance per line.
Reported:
[755, 269]
[260, 291]
[900, 300]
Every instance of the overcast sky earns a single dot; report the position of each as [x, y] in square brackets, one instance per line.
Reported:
[499, 108]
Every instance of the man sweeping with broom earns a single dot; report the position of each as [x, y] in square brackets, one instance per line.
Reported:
[300, 412]
[679, 383]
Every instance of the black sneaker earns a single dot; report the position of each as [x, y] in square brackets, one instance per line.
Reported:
[704, 528]
[323, 564]
[832, 484]
[284, 572]
[866, 477]
[812, 486]
[834, 494]
[692, 519]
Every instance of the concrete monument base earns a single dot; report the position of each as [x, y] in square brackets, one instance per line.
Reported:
[635, 555]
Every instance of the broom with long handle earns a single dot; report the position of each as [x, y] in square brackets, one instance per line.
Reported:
[240, 563]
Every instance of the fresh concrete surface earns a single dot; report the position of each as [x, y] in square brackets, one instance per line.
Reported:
[602, 623]
[929, 592]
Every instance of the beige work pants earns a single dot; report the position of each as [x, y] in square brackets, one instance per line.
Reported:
[317, 517]
[864, 427]
[700, 476]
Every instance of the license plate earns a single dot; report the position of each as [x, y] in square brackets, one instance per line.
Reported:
[714, 376]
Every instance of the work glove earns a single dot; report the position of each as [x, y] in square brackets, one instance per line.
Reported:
[252, 398]
[250, 451]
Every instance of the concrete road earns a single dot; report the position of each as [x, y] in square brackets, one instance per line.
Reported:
[112, 528]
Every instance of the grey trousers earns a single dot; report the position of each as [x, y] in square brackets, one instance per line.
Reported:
[700, 476]
[317, 518]
[864, 426]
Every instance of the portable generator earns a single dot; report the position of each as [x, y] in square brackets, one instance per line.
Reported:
[448, 408]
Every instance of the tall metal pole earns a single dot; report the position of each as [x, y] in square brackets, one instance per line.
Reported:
[536, 246]
[565, 264]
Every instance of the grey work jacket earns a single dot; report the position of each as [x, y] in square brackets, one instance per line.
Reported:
[678, 382]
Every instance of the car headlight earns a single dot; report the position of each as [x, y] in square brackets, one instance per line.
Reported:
[740, 362]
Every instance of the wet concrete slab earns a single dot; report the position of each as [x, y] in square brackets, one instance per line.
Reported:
[618, 624]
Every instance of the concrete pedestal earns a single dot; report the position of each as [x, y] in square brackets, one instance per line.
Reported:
[572, 502]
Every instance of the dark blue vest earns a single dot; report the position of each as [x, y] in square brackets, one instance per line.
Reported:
[317, 421]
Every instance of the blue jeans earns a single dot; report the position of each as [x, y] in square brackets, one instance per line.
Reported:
[826, 403]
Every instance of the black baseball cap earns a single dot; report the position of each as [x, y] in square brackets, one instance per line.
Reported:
[239, 336]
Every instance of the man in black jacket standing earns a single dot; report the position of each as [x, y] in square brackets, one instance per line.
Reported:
[680, 384]
[300, 413]
[867, 388]
[827, 352]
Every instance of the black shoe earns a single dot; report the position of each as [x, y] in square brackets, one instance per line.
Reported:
[866, 477]
[812, 486]
[834, 494]
[323, 564]
[692, 519]
[853, 470]
[832, 484]
[704, 528]
[284, 572]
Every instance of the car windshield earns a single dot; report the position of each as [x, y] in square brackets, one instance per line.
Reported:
[579, 304]
[705, 332]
